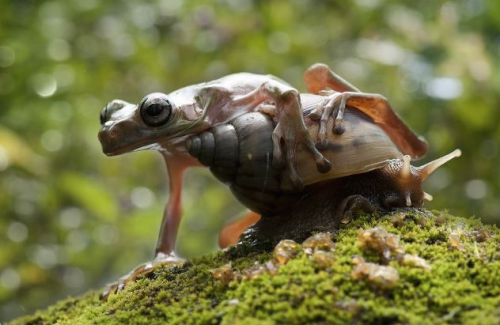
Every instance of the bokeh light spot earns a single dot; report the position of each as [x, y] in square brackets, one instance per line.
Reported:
[77, 240]
[10, 279]
[60, 111]
[44, 85]
[144, 16]
[476, 189]
[122, 46]
[444, 88]
[384, 52]
[142, 197]
[73, 277]
[279, 42]
[17, 232]
[106, 234]
[206, 41]
[71, 218]
[44, 257]
[4, 158]
[52, 140]
[59, 50]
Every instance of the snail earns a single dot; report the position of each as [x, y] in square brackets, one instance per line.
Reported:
[365, 162]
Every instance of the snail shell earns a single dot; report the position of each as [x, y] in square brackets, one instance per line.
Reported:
[239, 152]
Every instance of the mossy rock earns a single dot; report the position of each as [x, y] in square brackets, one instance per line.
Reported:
[462, 285]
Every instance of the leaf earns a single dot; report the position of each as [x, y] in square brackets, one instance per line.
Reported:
[18, 152]
[91, 194]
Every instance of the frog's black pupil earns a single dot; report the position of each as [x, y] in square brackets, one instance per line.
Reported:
[154, 109]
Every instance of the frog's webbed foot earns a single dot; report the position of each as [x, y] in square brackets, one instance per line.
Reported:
[332, 106]
[290, 132]
[319, 77]
[141, 270]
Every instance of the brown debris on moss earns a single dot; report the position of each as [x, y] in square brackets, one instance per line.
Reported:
[455, 241]
[224, 274]
[284, 251]
[481, 235]
[319, 242]
[413, 261]
[385, 277]
[379, 240]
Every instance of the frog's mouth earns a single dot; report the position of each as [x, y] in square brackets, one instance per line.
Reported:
[127, 136]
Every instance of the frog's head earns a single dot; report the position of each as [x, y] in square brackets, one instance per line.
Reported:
[150, 125]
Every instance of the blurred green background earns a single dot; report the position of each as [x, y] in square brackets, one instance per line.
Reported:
[73, 219]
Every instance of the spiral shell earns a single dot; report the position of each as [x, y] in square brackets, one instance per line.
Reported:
[240, 152]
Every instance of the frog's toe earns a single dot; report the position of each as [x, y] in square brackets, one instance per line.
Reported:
[278, 161]
[297, 182]
[317, 112]
[322, 164]
[338, 126]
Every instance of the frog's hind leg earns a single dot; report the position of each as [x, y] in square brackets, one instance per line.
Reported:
[319, 78]
[231, 233]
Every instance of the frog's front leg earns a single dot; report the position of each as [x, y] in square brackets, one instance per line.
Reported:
[168, 231]
[290, 130]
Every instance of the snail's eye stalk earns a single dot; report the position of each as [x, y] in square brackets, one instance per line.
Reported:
[430, 167]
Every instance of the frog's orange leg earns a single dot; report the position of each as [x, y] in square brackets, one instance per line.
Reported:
[168, 230]
[230, 234]
[380, 111]
[173, 210]
[319, 77]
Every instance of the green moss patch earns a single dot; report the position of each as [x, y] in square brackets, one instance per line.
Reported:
[461, 286]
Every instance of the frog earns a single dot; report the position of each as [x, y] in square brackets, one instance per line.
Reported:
[163, 122]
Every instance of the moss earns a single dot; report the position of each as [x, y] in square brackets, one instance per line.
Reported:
[462, 285]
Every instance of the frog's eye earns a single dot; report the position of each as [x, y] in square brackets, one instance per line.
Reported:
[104, 115]
[155, 109]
